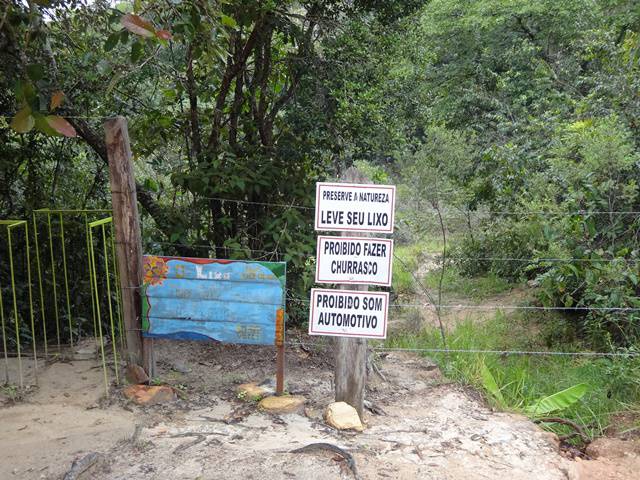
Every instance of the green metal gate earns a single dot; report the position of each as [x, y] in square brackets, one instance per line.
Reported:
[78, 289]
[17, 300]
[111, 291]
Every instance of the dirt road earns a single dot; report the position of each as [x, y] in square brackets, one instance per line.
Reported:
[424, 428]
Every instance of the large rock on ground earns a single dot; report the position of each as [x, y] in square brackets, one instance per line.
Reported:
[342, 416]
[282, 404]
[149, 395]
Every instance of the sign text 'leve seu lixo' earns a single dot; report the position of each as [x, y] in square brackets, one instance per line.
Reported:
[355, 207]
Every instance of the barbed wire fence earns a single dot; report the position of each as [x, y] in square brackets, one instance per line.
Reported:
[423, 308]
[434, 298]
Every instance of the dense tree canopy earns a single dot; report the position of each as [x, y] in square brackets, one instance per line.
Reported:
[482, 106]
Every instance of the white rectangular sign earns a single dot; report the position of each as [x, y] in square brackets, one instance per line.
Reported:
[355, 207]
[347, 313]
[354, 260]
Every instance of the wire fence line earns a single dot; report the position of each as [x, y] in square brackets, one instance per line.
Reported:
[437, 257]
[510, 352]
[213, 247]
[377, 348]
[455, 258]
[82, 117]
[499, 307]
[445, 211]
[542, 259]
[491, 307]
[264, 204]
[432, 304]
[492, 259]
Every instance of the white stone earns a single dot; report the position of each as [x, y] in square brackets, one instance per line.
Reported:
[342, 416]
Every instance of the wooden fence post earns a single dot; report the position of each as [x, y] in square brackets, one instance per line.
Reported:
[128, 240]
[351, 353]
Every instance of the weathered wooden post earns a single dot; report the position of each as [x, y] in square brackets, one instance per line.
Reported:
[128, 241]
[356, 209]
[351, 353]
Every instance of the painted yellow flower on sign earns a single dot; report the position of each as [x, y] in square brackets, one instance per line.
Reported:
[155, 270]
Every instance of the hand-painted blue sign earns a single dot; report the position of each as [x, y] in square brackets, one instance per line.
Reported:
[232, 301]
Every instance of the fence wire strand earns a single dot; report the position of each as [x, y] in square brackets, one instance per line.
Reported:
[495, 307]
[449, 213]
[542, 259]
[477, 351]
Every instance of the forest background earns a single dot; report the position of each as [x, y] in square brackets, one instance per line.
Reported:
[512, 129]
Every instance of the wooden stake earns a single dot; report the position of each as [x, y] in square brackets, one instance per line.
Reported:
[351, 353]
[128, 241]
[280, 352]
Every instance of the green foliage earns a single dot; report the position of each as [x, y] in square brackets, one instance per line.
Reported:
[30, 116]
[522, 135]
[375, 173]
[436, 171]
[557, 401]
[502, 247]
[12, 392]
[490, 385]
[219, 99]
[473, 108]
[551, 403]
[591, 170]
[402, 279]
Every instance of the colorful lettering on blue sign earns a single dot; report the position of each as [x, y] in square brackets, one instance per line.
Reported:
[231, 301]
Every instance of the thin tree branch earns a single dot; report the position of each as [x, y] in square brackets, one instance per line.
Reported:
[232, 69]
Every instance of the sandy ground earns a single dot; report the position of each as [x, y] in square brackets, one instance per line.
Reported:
[424, 428]
[60, 418]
